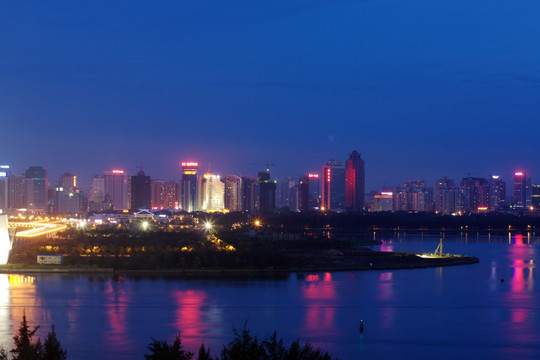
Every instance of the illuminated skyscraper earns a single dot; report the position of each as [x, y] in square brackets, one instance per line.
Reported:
[267, 191]
[250, 193]
[497, 193]
[522, 191]
[233, 193]
[140, 191]
[188, 186]
[333, 186]
[115, 184]
[354, 182]
[164, 194]
[36, 187]
[211, 193]
[4, 175]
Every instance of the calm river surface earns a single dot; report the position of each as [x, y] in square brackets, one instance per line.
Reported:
[435, 313]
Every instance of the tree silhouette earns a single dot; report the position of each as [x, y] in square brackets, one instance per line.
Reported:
[306, 352]
[52, 349]
[25, 347]
[161, 350]
[243, 347]
[204, 354]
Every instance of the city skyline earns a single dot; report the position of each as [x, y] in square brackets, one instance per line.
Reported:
[421, 90]
[337, 188]
[85, 182]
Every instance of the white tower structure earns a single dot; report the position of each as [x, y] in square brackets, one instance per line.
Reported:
[212, 193]
[6, 239]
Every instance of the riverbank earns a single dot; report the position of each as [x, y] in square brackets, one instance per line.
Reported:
[330, 261]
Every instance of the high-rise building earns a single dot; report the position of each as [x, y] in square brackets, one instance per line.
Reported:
[293, 198]
[413, 196]
[333, 186]
[309, 192]
[164, 194]
[67, 200]
[16, 190]
[250, 193]
[4, 175]
[314, 201]
[473, 195]
[522, 191]
[233, 193]
[267, 191]
[283, 200]
[211, 193]
[68, 181]
[188, 186]
[303, 193]
[115, 183]
[497, 193]
[140, 191]
[354, 182]
[97, 189]
[383, 201]
[36, 187]
[536, 196]
[157, 194]
[171, 195]
[445, 196]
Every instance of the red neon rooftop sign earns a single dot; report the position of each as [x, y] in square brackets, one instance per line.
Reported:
[519, 173]
[314, 176]
[118, 171]
[189, 163]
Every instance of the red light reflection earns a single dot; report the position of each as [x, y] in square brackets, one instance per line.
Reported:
[116, 307]
[320, 312]
[385, 246]
[188, 318]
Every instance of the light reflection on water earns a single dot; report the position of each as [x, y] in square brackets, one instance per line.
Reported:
[491, 309]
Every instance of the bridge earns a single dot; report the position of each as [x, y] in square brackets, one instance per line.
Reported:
[24, 228]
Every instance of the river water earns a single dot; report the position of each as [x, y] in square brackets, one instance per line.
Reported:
[486, 310]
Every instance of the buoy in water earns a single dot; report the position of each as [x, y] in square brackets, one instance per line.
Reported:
[361, 327]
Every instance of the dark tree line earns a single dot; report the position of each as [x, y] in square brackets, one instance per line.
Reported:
[244, 346]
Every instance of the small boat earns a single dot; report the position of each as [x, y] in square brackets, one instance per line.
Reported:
[361, 327]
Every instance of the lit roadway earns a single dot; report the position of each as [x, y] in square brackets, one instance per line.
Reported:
[36, 228]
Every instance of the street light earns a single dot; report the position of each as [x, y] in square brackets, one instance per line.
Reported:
[208, 226]
[144, 225]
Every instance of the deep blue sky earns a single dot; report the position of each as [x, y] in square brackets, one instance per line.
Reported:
[421, 89]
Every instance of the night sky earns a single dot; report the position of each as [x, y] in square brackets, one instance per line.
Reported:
[422, 89]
